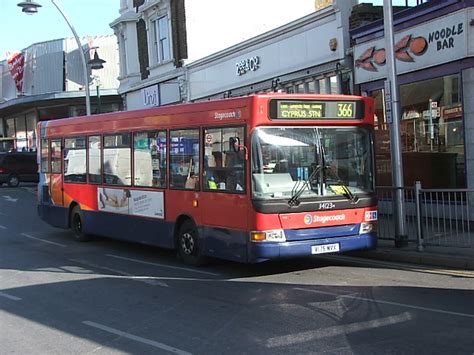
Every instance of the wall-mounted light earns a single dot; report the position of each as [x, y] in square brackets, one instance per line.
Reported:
[333, 44]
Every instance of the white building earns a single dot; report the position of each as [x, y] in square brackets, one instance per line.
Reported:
[158, 37]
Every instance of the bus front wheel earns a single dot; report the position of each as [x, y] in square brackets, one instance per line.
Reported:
[188, 244]
[77, 225]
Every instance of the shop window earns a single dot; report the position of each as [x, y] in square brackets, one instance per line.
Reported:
[184, 159]
[75, 167]
[333, 84]
[31, 131]
[117, 165]
[323, 88]
[95, 172]
[312, 87]
[224, 161]
[431, 133]
[149, 163]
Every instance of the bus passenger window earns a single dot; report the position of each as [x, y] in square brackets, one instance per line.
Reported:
[150, 159]
[75, 159]
[224, 165]
[184, 159]
[117, 164]
[56, 156]
[95, 172]
[44, 156]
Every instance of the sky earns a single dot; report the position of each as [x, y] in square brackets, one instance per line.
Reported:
[18, 30]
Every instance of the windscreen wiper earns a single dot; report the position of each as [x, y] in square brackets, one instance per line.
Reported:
[300, 186]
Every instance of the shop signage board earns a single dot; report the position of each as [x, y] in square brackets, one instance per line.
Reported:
[432, 43]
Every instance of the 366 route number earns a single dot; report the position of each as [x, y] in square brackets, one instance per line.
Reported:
[345, 110]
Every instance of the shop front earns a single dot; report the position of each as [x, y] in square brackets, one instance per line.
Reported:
[435, 65]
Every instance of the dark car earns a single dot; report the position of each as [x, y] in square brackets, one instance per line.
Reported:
[18, 167]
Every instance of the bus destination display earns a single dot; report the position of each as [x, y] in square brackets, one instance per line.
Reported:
[292, 109]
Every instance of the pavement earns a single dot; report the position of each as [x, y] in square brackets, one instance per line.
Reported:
[443, 257]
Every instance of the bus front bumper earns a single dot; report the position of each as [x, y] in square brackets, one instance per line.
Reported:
[262, 251]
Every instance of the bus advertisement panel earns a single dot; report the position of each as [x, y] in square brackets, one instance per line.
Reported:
[246, 179]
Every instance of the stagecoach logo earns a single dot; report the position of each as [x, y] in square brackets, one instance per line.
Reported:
[309, 219]
[225, 115]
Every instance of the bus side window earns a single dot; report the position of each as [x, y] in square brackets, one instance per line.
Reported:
[75, 167]
[224, 166]
[150, 159]
[117, 160]
[95, 168]
[184, 159]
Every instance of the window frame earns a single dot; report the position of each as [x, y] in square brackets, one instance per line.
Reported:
[244, 167]
[103, 148]
[159, 40]
[63, 159]
[158, 131]
[199, 187]
[100, 159]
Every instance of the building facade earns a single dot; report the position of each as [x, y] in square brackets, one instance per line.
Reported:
[45, 81]
[434, 50]
[159, 38]
[308, 55]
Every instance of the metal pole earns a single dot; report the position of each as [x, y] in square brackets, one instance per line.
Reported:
[419, 235]
[83, 58]
[401, 238]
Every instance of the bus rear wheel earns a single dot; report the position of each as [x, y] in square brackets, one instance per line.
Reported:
[77, 225]
[188, 244]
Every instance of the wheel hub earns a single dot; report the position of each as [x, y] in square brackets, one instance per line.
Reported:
[187, 243]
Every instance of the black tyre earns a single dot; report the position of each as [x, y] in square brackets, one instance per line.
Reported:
[76, 224]
[188, 244]
[13, 180]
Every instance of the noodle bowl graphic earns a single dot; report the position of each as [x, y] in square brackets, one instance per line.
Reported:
[404, 49]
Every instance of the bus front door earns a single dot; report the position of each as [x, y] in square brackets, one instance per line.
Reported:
[56, 176]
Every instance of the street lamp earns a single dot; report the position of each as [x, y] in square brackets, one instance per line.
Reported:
[30, 7]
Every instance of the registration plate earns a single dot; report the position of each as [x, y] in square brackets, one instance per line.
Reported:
[325, 248]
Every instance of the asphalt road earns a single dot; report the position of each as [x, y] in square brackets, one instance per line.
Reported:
[58, 296]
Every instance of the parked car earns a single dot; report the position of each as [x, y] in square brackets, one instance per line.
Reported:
[16, 167]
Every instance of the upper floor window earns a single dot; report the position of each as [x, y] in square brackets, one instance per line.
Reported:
[162, 39]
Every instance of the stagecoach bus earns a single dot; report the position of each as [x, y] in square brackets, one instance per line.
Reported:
[246, 179]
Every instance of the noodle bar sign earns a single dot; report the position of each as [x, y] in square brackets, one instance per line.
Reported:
[439, 41]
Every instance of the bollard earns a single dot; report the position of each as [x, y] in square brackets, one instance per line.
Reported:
[419, 236]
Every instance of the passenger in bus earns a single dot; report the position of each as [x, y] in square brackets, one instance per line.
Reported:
[192, 182]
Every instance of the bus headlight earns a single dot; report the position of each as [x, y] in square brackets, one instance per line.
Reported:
[367, 227]
[274, 235]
